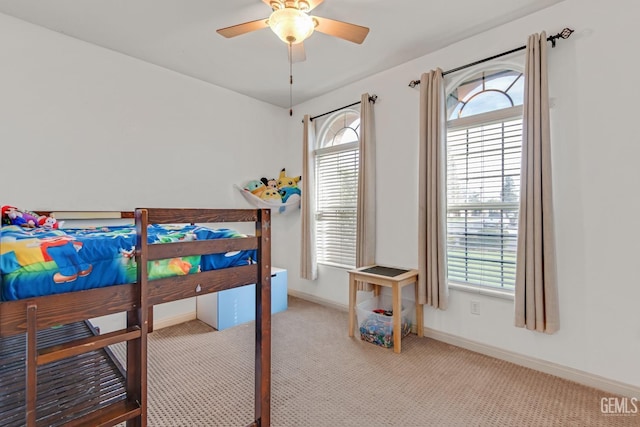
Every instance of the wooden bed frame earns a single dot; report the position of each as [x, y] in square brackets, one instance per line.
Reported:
[36, 317]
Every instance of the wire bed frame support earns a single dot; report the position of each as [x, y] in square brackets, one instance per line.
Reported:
[564, 34]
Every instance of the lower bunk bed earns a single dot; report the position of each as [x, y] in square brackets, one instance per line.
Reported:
[56, 370]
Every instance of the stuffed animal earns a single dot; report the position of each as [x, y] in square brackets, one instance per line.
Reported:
[14, 216]
[287, 181]
[23, 218]
[287, 192]
[273, 183]
[255, 187]
[271, 194]
[48, 222]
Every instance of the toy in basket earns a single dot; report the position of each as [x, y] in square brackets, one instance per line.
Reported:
[281, 195]
[375, 318]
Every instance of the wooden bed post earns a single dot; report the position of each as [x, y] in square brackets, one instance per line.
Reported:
[31, 364]
[137, 348]
[263, 321]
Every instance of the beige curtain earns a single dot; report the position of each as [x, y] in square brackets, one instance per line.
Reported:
[366, 210]
[432, 266]
[536, 291]
[308, 263]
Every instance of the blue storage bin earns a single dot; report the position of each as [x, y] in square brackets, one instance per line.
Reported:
[232, 307]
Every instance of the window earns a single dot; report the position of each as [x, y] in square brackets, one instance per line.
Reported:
[336, 168]
[484, 140]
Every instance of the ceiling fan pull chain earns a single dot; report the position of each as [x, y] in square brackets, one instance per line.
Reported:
[290, 82]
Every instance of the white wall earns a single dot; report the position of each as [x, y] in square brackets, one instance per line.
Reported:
[86, 128]
[596, 173]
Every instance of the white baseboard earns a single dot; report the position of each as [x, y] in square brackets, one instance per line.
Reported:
[174, 320]
[565, 372]
[317, 300]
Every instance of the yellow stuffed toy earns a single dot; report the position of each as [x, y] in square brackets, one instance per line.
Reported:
[271, 194]
[287, 181]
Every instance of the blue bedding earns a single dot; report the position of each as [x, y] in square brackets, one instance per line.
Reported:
[40, 261]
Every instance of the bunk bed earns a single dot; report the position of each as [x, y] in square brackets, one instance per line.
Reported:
[67, 374]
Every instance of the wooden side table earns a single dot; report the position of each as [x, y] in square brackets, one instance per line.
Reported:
[394, 278]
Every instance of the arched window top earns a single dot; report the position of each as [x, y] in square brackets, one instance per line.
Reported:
[340, 128]
[486, 91]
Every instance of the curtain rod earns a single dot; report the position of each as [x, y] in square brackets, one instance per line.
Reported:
[373, 98]
[564, 34]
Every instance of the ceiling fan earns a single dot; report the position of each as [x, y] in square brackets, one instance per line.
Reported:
[290, 20]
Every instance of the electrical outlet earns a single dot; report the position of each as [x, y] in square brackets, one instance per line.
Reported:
[475, 307]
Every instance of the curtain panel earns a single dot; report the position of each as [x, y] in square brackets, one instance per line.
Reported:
[536, 293]
[432, 217]
[366, 209]
[308, 262]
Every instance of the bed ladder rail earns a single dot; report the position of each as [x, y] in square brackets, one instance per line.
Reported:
[109, 416]
[84, 345]
[132, 409]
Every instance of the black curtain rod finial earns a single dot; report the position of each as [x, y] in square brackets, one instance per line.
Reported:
[564, 34]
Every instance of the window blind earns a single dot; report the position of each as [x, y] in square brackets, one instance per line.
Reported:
[483, 193]
[337, 195]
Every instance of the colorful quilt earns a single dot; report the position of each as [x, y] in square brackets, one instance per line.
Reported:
[41, 261]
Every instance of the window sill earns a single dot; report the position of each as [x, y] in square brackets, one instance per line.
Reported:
[334, 265]
[495, 293]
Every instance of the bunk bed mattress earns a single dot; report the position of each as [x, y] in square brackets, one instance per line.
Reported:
[38, 262]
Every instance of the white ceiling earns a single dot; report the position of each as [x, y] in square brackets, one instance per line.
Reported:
[181, 35]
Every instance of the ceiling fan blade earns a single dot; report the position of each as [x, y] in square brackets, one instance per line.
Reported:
[297, 53]
[239, 29]
[313, 4]
[351, 32]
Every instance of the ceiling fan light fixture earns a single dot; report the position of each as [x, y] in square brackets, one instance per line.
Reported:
[292, 25]
[303, 5]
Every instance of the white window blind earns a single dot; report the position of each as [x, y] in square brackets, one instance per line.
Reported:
[337, 195]
[483, 193]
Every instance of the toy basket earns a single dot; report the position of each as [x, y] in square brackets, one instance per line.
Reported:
[292, 204]
[375, 320]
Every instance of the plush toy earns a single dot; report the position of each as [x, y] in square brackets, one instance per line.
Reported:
[48, 222]
[271, 194]
[273, 183]
[23, 218]
[10, 216]
[287, 181]
[255, 187]
[14, 216]
[287, 192]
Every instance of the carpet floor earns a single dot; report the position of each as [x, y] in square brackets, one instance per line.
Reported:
[320, 377]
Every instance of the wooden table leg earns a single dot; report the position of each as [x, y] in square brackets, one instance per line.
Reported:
[352, 303]
[397, 319]
[419, 314]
